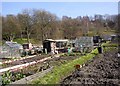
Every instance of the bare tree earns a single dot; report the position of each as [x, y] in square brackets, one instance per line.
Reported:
[85, 22]
[44, 20]
[26, 21]
[71, 27]
[10, 27]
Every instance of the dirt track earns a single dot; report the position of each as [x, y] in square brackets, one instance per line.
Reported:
[104, 69]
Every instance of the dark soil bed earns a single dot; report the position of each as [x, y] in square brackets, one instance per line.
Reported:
[18, 62]
[56, 61]
[104, 69]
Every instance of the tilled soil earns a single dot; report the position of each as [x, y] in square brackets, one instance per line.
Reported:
[103, 69]
[23, 61]
[55, 61]
[48, 63]
[36, 58]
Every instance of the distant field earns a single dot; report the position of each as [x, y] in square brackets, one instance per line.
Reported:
[24, 40]
[109, 32]
[106, 32]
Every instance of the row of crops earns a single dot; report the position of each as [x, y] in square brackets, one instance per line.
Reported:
[62, 66]
[59, 72]
[11, 76]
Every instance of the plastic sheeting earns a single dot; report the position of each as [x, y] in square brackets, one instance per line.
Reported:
[10, 49]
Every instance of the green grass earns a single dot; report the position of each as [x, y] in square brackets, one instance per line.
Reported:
[102, 32]
[59, 72]
[71, 54]
[21, 41]
[24, 40]
[0, 43]
[109, 46]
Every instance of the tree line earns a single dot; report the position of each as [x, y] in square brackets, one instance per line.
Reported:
[41, 24]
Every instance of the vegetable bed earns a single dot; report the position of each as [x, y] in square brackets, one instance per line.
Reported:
[11, 76]
[61, 71]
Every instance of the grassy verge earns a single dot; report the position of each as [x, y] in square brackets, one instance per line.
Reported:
[109, 46]
[59, 72]
[24, 40]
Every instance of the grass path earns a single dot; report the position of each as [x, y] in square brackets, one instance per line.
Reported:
[59, 72]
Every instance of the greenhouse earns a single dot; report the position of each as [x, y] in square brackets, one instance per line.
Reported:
[11, 49]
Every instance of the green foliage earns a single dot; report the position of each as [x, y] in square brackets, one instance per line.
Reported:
[4, 65]
[58, 72]
[19, 76]
[21, 41]
[6, 78]
[109, 46]
[71, 54]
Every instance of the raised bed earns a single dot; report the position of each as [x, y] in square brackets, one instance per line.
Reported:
[30, 70]
[61, 71]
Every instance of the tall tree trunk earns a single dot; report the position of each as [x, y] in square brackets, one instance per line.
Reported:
[42, 34]
[21, 35]
[28, 37]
